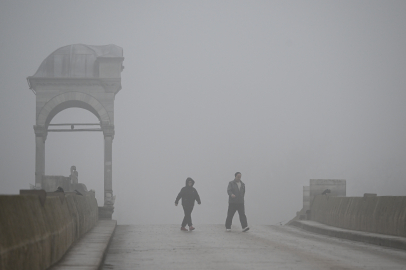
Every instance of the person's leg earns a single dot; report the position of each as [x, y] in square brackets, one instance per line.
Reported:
[230, 215]
[243, 217]
[189, 215]
[186, 218]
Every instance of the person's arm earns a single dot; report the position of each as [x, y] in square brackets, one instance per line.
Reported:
[198, 197]
[230, 190]
[178, 197]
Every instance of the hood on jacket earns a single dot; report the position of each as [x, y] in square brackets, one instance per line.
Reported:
[189, 179]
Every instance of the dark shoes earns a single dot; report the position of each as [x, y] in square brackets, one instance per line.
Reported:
[191, 228]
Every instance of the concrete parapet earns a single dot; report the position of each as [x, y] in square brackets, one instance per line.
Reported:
[35, 235]
[378, 214]
[52, 182]
[371, 238]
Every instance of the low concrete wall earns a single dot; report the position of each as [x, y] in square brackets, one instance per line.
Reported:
[384, 214]
[35, 236]
[50, 183]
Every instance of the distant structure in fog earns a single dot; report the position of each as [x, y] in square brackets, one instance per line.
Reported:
[328, 187]
[335, 187]
[80, 76]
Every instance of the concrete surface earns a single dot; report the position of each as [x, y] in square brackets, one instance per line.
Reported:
[372, 238]
[89, 251]
[379, 214]
[263, 247]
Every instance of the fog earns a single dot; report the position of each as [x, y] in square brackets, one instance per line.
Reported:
[282, 91]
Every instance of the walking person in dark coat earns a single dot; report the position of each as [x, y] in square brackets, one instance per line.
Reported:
[189, 195]
[236, 192]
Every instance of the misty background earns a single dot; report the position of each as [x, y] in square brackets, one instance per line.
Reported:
[282, 91]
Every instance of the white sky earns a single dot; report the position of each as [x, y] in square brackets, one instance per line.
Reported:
[283, 91]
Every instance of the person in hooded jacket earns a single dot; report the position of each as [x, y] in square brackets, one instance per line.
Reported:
[189, 195]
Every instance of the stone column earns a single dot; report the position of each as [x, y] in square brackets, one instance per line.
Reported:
[108, 209]
[108, 175]
[40, 137]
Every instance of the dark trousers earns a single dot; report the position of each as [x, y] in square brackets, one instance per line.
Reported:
[232, 208]
[188, 215]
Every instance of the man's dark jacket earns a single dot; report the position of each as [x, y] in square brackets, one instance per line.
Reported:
[238, 192]
[188, 194]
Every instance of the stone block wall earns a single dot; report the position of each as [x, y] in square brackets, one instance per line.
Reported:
[380, 214]
[35, 235]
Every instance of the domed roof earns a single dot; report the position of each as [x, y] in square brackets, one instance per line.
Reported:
[76, 61]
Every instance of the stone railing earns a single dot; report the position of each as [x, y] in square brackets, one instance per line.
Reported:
[375, 214]
[37, 230]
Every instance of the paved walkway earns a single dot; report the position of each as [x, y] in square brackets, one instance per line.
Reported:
[88, 252]
[263, 247]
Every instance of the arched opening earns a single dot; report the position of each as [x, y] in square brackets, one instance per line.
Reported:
[69, 100]
[71, 104]
[82, 149]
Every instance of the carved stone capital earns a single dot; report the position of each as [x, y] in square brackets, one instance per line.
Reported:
[108, 130]
[40, 131]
